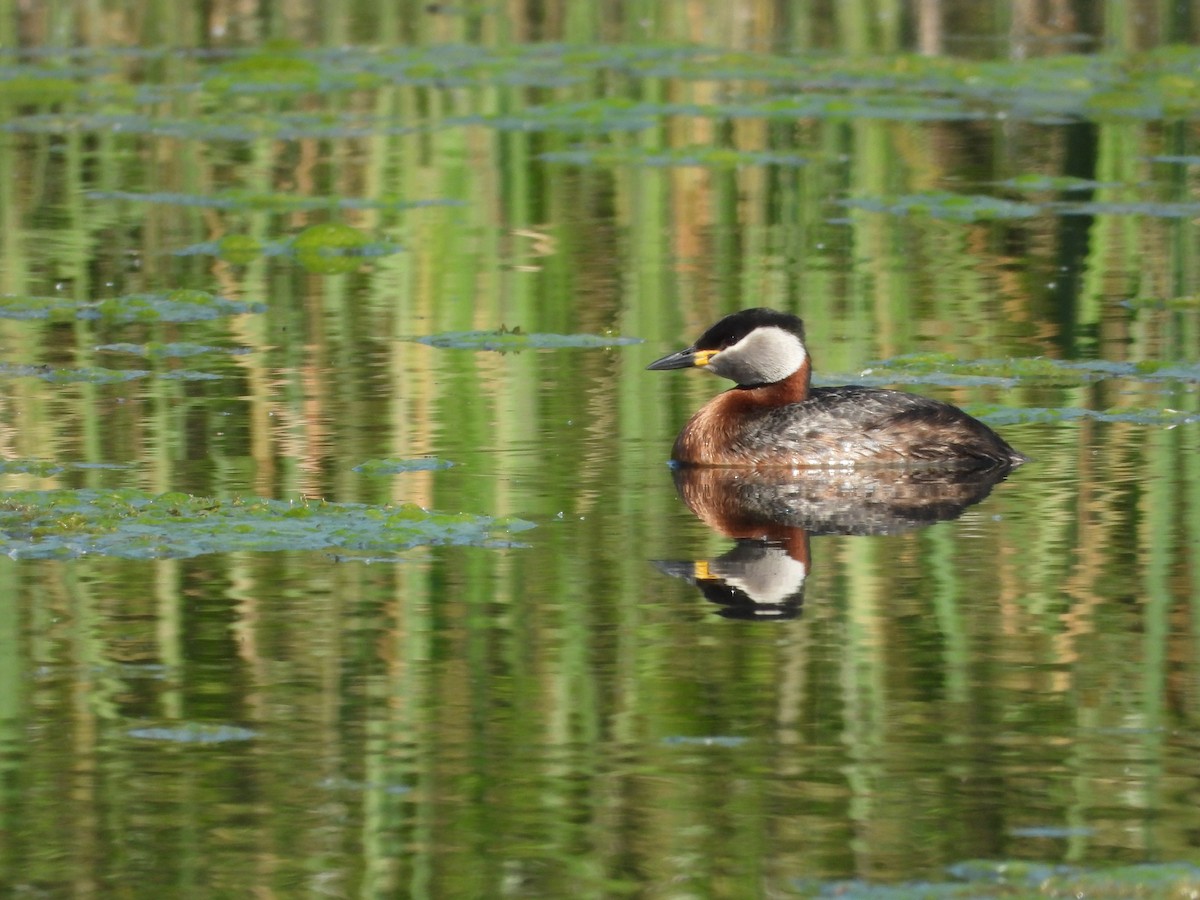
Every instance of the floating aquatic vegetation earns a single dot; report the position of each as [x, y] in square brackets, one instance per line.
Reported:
[193, 733]
[1006, 415]
[1182, 159]
[229, 126]
[886, 106]
[943, 368]
[714, 740]
[948, 205]
[28, 85]
[1022, 880]
[239, 249]
[1187, 302]
[332, 248]
[45, 468]
[130, 123]
[272, 69]
[1151, 208]
[365, 787]
[170, 350]
[516, 339]
[1052, 831]
[709, 157]
[86, 375]
[267, 201]
[1163, 83]
[189, 375]
[285, 68]
[327, 249]
[42, 468]
[97, 374]
[1034, 182]
[399, 466]
[132, 524]
[182, 305]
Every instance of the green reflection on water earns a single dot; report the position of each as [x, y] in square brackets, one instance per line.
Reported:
[562, 718]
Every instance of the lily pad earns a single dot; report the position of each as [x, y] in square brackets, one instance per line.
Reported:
[506, 340]
[399, 466]
[132, 524]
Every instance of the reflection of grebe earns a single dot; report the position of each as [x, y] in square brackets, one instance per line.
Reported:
[772, 503]
[775, 418]
[772, 511]
[755, 580]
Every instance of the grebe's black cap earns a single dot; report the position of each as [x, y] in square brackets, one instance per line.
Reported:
[736, 326]
[727, 332]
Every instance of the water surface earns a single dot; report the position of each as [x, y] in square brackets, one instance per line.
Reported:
[423, 275]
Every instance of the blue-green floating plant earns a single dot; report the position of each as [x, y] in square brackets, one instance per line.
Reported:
[1189, 301]
[42, 468]
[400, 466]
[266, 201]
[506, 340]
[1018, 879]
[131, 524]
[943, 368]
[708, 157]
[193, 733]
[182, 305]
[1035, 182]
[1150, 208]
[89, 375]
[364, 787]
[170, 350]
[948, 205]
[45, 468]
[1004, 415]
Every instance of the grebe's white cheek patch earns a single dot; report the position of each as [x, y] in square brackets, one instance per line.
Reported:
[764, 356]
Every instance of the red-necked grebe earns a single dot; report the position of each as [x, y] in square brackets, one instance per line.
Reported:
[774, 417]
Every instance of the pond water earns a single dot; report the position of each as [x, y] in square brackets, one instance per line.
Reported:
[341, 552]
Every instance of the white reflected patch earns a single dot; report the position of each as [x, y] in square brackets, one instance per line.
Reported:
[771, 580]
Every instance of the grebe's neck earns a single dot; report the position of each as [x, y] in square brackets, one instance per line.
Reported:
[793, 389]
[711, 436]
